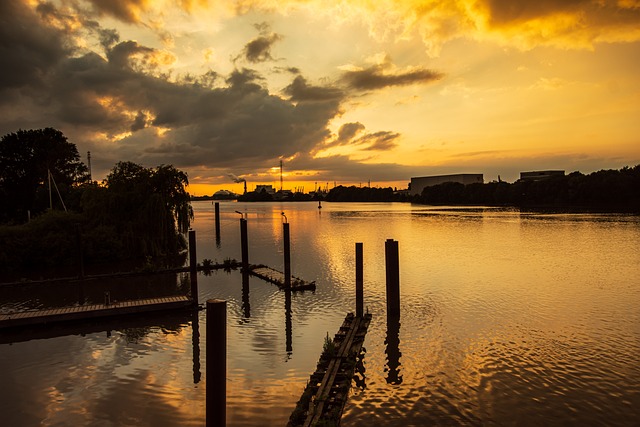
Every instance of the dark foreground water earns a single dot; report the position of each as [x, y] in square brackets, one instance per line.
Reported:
[508, 318]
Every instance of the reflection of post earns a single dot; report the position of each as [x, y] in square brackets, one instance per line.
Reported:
[244, 244]
[287, 321]
[195, 342]
[246, 307]
[193, 266]
[216, 362]
[217, 218]
[393, 350]
[359, 281]
[287, 255]
[393, 277]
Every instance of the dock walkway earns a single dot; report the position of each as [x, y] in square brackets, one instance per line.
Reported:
[92, 311]
[326, 393]
[277, 277]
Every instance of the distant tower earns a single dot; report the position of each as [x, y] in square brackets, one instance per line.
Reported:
[280, 175]
[89, 162]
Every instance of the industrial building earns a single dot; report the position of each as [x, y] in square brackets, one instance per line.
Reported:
[538, 175]
[419, 183]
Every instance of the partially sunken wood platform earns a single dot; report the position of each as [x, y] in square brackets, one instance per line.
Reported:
[323, 399]
[92, 311]
[277, 277]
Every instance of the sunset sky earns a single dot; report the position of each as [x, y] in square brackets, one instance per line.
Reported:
[340, 91]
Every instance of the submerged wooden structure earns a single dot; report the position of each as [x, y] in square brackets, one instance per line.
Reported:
[93, 311]
[278, 278]
[323, 399]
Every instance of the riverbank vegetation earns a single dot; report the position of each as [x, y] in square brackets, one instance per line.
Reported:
[136, 213]
[610, 190]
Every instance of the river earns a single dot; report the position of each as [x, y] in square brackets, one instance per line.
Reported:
[507, 318]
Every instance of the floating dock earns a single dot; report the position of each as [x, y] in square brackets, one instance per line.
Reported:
[93, 311]
[277, 277]
[323, 399]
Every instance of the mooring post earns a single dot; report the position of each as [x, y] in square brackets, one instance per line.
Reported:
[393, 277]
[193, 267]
[244, 244]
[359, 281]
[217, 218]
[287, 255]
[216, 367]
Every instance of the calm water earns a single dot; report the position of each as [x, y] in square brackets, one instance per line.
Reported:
[508, 318]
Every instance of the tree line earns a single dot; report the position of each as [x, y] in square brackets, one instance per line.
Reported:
[136, 213]
[606, 189]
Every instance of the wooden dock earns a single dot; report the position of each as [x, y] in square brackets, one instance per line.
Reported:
[93, 311]
[277, 277]
[323, 399]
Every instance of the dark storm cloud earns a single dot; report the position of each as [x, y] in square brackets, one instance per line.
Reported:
[125, 10]
[116, 104]
[375, 77]
[348, 131]
[300, 90]
[28, 49]
[259, 49]
[379, 141]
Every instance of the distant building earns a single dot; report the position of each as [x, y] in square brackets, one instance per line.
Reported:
[266, 188]
[419, 183]
[538, 175]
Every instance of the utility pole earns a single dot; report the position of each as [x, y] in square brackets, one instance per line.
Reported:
[281, 175]
[89, 161]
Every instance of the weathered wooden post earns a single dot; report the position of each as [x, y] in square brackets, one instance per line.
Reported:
[287, 254]
[393, 277]
[216, 363]
[193, 267]
[217, 219]
[359, 281]
[244, 243]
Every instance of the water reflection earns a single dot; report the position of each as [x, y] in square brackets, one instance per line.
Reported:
[287, 323]
[195, 341]
[246, 306]
[392, 351]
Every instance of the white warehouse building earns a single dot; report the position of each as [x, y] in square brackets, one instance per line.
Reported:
[419, 183]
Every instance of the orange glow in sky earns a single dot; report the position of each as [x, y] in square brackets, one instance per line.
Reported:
[341, 91]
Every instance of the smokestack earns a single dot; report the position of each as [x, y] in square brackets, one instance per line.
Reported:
[245, 186]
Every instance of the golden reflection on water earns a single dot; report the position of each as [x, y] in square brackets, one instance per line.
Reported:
[506, 317]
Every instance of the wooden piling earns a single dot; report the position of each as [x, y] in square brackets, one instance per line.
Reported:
[217, 219]
[287, 255]
[244, 243]
[216, 367]
[193, 266]
[393, 277]
[359, 281]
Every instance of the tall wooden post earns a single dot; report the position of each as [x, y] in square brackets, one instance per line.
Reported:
[217, 219]
[216, 363]
[359, 281]
[393, 277]
[287, 255]
[193, 266]
[244, 244]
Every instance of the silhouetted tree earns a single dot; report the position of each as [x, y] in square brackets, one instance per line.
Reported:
[26, 156]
